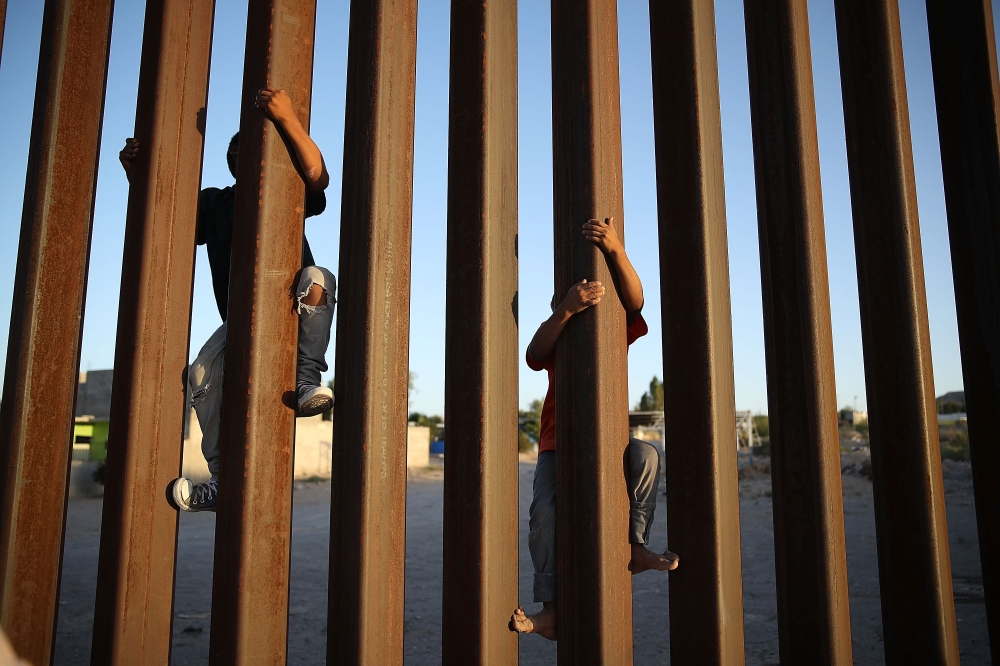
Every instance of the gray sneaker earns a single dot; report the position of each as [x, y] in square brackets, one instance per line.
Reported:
[193, 498]
[314, 399]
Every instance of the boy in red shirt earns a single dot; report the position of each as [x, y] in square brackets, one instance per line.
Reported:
[641, 460]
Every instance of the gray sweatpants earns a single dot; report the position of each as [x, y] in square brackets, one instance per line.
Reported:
[642, 463]
[208, 370]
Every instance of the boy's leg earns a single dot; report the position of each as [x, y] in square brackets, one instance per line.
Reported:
[542, 546]
[642, 466]
[315, 322]
[205, 377]
[542, 527]
[643, 481]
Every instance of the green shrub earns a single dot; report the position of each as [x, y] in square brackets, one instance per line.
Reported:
[763, 425]
[955, 446]
[100, 473]
[524, 443]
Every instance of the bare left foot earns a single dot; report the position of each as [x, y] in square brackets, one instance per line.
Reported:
[643, 559]
[542, 623]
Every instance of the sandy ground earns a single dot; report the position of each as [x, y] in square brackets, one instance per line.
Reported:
[310, 542]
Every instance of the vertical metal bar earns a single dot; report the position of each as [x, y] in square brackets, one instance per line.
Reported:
[703, 512]
[3, 21]
[253, 532]
[481, 364]
[368, 511]
[43, 352]
[594, 594]
[918, 609]
[133, 614]
[813, 614]
[967, 91]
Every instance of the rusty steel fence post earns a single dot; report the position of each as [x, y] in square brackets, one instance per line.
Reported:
[918, 609]
[253, 532]
[3, 21]
[703, 510]
[368, 503]
[43, 352]
[814, 624]
[967, 92]
[594, 594]
[481, 364]
[133, 613]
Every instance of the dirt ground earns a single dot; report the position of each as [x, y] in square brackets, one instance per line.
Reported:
[310, 542]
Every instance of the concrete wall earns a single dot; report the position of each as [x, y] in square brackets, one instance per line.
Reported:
[313, 439]
[93, 394]
[313, 449]
[418, 446]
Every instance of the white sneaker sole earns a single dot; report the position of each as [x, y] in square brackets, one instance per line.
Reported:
[316, 401]
[181, 490]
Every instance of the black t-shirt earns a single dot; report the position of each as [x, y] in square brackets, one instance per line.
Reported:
[216, 210]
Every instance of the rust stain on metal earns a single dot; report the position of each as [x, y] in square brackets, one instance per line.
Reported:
[367, 516]
[253, 529]
[810, 560]
[43, 353]
[133, 613]
[595, 603]
[703, 521]
[967, 92]
[481, 356]
[918, 609]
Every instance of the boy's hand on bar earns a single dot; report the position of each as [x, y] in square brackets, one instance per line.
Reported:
[581, 296]
[276, 104]
[603, 235]
[127, 154]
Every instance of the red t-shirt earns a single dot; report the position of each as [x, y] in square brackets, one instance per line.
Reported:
[547, 436]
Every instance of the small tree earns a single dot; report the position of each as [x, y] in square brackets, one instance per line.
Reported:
[652, 400]
[531, 425]
[433, 422]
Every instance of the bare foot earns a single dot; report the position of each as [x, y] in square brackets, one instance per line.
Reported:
[542, 623]
[643, 559]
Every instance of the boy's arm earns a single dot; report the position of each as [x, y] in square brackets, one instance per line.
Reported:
[580, 296]
[127, 155]
[604, 236]
[303, 150]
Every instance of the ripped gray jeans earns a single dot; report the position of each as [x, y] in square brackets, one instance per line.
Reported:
[206, 373]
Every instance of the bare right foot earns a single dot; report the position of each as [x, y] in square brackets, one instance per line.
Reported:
[542, 623]
[643, 559]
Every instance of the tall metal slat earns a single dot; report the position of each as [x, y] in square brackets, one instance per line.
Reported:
[918, 609]
[967, 92]
[481, 356]
[594, 592]
[703, 515]
[253, 529]
[368, 511]
[133, 613]
[43, 351]
[811, 565]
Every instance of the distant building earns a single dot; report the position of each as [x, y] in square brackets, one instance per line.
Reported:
[93, 413]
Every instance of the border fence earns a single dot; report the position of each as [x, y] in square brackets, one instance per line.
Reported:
[133, 612]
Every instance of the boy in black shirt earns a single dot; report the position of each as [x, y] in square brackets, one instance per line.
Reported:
[316, 294]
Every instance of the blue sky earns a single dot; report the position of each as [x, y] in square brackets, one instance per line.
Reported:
[17, 79]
